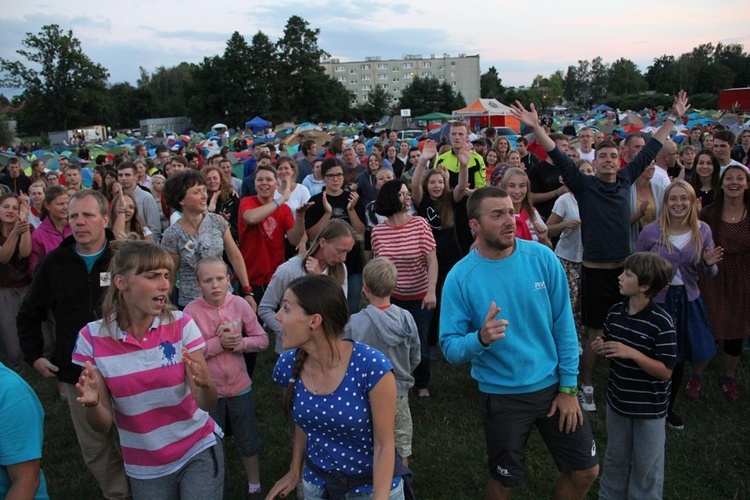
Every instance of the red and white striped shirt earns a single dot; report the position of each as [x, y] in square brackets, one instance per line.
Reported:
[407, 247]
[159, 422]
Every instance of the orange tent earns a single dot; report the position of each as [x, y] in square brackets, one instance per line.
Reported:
[488, 112]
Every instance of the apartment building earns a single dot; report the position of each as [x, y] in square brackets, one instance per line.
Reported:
[360, 77]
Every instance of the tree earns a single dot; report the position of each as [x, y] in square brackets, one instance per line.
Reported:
[625, 78]
[570, 87]
[662, 75]
[425, 95]
[378, 104]
[305, 86]
[127, 105]
[598, 75]
[490, 85]
[263, 82]
[62, 86]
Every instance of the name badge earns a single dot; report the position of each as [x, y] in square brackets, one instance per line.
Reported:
[105, 279]
[190, 246]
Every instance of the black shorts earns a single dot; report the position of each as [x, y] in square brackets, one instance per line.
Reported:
[508, 421]
[600, 290]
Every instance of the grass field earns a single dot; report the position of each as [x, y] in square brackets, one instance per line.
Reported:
[710, 459]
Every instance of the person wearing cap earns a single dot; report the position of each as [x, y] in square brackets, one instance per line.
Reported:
[480, 145]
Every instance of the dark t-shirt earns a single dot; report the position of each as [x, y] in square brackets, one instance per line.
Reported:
[544, 178]
[338, 203]
[529, 160]
[446, 240]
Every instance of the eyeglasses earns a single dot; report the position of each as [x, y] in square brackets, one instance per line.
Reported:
[403, 194]
[334, 176]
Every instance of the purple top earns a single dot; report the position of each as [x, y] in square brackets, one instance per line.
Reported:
[683, 259]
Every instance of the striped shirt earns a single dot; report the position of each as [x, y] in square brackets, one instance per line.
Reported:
[159, 422]
[631, 391]
[407, 247]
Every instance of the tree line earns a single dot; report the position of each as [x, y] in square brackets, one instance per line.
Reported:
[278, 80]
[702, 73]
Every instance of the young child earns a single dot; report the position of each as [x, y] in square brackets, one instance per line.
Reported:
[639, 339]
[392, 331]
[221, 318]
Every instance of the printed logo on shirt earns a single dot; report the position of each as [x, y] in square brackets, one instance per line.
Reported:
[593, 448]
[168, 353]
[105, 279]
[539, 285]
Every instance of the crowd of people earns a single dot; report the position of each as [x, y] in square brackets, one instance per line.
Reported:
[148, 295]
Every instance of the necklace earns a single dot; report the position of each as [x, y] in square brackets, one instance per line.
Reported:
[313, 385]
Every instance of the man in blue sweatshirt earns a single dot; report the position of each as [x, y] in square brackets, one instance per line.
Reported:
[505, 308]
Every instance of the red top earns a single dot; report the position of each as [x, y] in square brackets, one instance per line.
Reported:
[262, 245]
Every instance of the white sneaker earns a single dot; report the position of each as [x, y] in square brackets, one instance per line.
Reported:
[586, 398]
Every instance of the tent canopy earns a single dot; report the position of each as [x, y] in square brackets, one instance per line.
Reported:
[434, 117]
[602, 108]
[257, 124]
[483, 107]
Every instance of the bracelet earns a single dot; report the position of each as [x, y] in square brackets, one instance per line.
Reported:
[121, 210]
[248, 294]
[91, 405]
[276, 203]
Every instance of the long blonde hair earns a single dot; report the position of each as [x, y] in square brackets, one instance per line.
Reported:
[132, 257]
[526, 202]
[665, 219]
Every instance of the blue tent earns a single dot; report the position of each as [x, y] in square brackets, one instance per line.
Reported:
[602, 108]
[257, 124]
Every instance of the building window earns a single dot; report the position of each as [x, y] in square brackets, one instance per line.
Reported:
[426, 64]
[352, 71]
[383, 66]
[366, 87]
[340, 69]
[453, 63]
[395, 79]
[408, 65]
[366, 77]
[365, 67]
[341, 79]
[453, 84]
[427, 74]
[383, 76]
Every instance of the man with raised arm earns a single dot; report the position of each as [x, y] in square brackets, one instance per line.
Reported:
[603, 200]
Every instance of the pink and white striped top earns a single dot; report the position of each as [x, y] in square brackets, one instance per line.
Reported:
[407, 247]
[159, 422]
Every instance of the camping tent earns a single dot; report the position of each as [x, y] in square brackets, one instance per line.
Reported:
[431, 117]
[257, 124]
[602, 108]
[486, 112]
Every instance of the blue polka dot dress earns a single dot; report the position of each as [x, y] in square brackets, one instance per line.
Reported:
[338, 425]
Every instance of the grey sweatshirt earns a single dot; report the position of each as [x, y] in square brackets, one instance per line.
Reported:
[392, 332]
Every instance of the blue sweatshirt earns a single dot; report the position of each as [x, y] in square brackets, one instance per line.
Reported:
[540, 347]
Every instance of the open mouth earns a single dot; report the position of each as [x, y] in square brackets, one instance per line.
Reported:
[160, 300]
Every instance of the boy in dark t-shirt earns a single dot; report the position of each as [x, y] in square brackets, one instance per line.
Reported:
[640, 342]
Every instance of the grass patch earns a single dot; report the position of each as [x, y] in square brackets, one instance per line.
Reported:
[708, 460]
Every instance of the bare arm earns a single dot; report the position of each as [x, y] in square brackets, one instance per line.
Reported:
[613, 349]
[24, 480]
[383, 407]
[259, 214]
[238, 264]
[430, 300]
[289, 482]
[679, 108]
[463, 177]
[295, 234]
[95, 397]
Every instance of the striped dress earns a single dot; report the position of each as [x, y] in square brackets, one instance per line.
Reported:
[407, 247]
[160, 425]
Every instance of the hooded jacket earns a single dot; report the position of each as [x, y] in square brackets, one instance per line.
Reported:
[63, 286]
[227, 368]
[394, 333]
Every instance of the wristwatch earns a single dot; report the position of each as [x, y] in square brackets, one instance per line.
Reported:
[572, 391]
[674, 119]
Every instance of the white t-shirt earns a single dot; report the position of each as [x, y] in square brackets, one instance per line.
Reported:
[660, 178]
[679, 241]
[733, 162]
[569, 247]
[300, 196]
[590, 156]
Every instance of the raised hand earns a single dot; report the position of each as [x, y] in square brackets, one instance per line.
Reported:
[327, 206]
[353, 199]
[680, 105]
[464, 156]
[429, 151]
[303, 208]
[492, 329]
[526, 116]
[88, 385]
[196, 369]
[711, 257]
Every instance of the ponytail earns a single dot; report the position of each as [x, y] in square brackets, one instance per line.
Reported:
[299, 362]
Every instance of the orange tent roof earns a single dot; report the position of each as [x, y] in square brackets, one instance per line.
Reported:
[482, 107]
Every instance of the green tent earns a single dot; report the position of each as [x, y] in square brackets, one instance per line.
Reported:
[430, 117]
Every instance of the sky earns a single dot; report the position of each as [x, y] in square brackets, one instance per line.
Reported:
[520, 38]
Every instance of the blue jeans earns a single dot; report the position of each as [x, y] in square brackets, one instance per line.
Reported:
[422, 317]
[634, 460]
[354, 291]
[313, 492]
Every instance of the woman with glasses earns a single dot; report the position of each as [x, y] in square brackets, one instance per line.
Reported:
[408, 242]
[335, 202]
